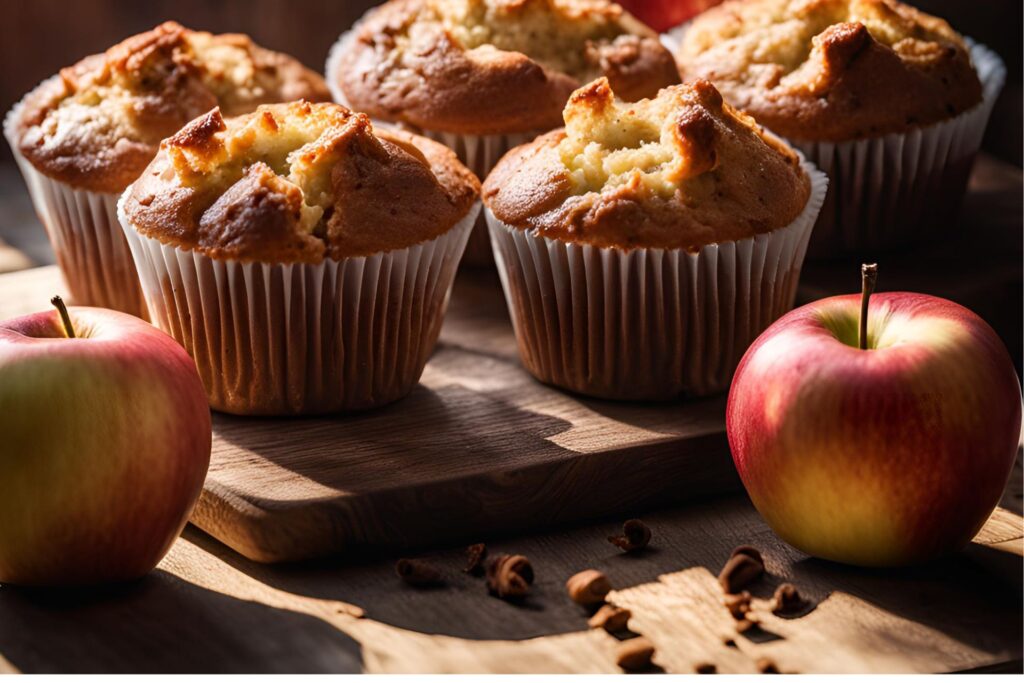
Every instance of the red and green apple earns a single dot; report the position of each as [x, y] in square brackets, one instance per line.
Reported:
[104, 446]
[876, 431]
[662, 15]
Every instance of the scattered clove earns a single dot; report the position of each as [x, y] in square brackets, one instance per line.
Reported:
[787, 600]
[611, 618]
[635, 536]
[748, 550]
[509, 576]
[588, 587]
[418, 573]
[765, 665]
[634, 654]
[706, 668]
[738, 604]
[743, 568]
[475, 556]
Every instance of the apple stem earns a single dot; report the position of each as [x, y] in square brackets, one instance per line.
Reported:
[65, 318]
[868, 277]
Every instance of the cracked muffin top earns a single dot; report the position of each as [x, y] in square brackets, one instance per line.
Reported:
[680, 171]
[295, 183]
[832, 69]
[98, 123]
[494, 66]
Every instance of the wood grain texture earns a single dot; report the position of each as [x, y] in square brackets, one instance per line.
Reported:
[478, 446]
[207, 609]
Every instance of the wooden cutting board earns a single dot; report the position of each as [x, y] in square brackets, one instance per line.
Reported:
[478, 448]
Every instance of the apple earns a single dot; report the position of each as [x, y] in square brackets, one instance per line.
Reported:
[662, 15]
[104, 446]
[876, 431]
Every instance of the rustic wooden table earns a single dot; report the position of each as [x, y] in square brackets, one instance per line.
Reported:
[208, 609]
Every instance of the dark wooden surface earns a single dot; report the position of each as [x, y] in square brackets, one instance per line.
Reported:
[208, 609]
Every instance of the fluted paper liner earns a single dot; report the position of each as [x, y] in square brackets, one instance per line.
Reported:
[85, 234]
[898, 189]
[480, 153]
[290, 339]
[647, 324]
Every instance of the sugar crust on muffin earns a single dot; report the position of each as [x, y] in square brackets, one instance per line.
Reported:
[681, 170]
[496, 66]
[295, 183]
[99, 122]
[832, 69]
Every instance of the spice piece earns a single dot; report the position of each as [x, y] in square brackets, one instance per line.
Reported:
[766, 666]
[706, 668]
[634, 654]
[418, 573]
[611, 618]
[787, 600]
[729, 642]
[635, 536]
[748, 550]
[509, 576]
[737, 604]
[475, 555]
[741, 570]
[588, 587]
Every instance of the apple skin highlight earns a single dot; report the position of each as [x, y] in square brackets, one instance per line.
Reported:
[106, 446]
[887, 456]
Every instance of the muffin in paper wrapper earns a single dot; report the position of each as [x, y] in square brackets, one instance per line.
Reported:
[85, 234]
[302, 339]
[899, 189]
[479, 153]
[647, 324]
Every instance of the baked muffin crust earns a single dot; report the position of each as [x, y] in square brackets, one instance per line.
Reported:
[680, 171]
[495, 66]
[297, 182]
[832, 69]
[99, 123]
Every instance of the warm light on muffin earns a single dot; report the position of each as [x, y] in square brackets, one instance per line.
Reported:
[652, 144]
[681, 170]
[832, 69]
[298, 181]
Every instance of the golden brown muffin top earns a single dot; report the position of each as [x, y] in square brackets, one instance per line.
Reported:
[495, 66]
[832, 69]
[98, 123]
[680, 171]
[297, 182]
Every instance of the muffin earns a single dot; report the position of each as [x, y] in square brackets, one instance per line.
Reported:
[646, 245]
[302, 258]
[83, 135]
[483, 76]
[889, 101]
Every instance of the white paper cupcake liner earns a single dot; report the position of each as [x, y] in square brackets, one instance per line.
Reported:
[291, 339]
[85, 234]
[900, 189]
[647, 324]
[480, 153]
